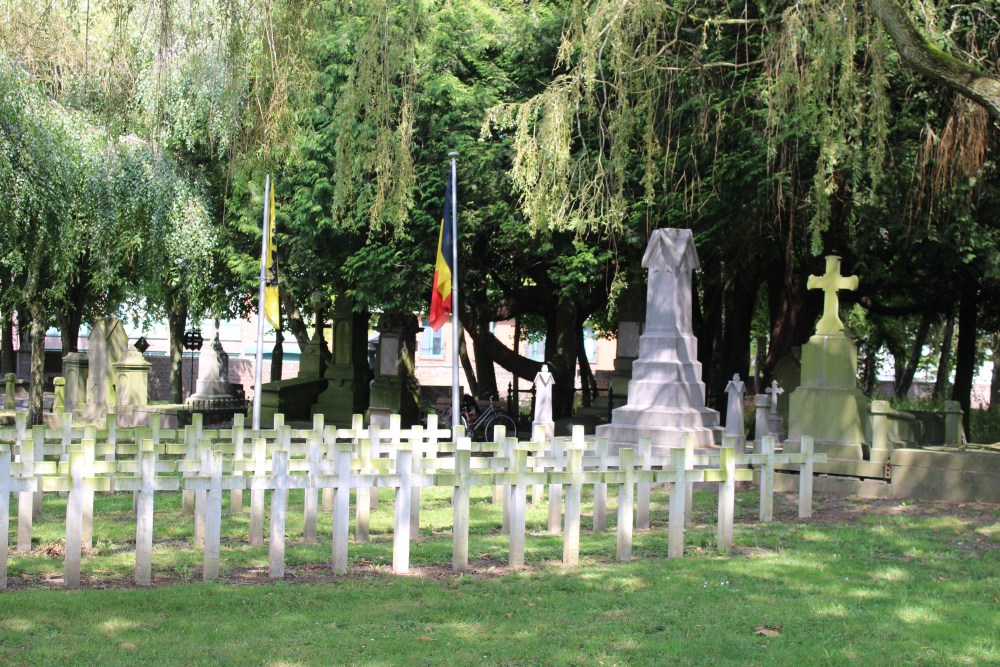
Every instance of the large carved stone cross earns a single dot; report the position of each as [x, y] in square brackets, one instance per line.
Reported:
[831, 281]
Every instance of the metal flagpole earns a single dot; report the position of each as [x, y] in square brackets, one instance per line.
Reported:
[264, 243]
[455, 388]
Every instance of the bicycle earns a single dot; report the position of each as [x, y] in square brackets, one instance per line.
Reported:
[482, 425]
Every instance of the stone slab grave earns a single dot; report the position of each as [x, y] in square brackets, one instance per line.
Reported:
[666, 397]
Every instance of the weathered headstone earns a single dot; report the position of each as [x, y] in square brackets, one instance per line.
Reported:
[775, 425]
[734, 409]
[394, 386]
[336, 403]
[107, 344]
[75, 371]
[666, 397]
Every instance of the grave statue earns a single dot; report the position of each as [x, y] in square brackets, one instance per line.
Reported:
[543, 401]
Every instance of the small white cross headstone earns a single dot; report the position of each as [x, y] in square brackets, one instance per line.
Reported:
[774, 390]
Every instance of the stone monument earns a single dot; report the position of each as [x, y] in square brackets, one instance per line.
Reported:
[543, 401]
[336, 403]
[666, 397]
[106, 345]
[131, 388]
[213, 370]
[394, 388]
[76, 368]
[827, 405]
[734, 410]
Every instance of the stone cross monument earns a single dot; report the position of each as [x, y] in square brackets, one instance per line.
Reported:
[827, 405]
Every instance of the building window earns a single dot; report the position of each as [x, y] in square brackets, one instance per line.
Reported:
[535, 349]
[431, 346]
[590, 343]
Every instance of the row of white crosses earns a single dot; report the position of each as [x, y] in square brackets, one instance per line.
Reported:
[413, 463]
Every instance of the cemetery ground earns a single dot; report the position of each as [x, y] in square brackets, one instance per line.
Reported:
[872, 582]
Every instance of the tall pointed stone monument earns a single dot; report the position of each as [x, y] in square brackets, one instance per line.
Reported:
[666, 397]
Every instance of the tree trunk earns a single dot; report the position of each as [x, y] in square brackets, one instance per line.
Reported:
[918, 52]
[69, 328]
[944, 361]
[363, 373]
[176, 321]
[965, 352]
[293, 316]
[792, 317]
[486, 375]
[509, 360]
[8, 363]
[277, 355]
[561, 352]
[905, 380]
[587, 380]
[741, 301]
[37, 367]
[466, 361]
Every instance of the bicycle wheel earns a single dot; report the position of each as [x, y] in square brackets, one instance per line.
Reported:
[502, 420]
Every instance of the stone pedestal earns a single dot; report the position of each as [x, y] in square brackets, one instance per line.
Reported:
[132, 380]
[395, 386]
[10, 388]
[75, 371]
[828, 405]
[666, 397]
[107, 344]
[336, 403]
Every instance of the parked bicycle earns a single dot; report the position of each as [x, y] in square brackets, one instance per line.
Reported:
[480, 424]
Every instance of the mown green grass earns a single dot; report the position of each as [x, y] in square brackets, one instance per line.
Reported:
[918, 585]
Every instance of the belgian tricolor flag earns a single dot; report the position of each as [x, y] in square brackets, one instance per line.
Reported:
[441, 292]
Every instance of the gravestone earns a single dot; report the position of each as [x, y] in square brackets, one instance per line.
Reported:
[395, 385]
[131, 387]
[106, 344]
[336, 403]
[543, 401]
[827, 405]
[76, 368]
[666, 397]
[775, 425]
[735, 426]
[213, 369]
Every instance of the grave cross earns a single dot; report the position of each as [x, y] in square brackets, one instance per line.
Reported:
[774, 390]
[831, 281]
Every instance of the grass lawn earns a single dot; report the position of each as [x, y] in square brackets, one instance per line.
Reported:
[863, 582]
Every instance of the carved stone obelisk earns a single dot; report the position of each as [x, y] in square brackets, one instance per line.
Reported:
[666, 397]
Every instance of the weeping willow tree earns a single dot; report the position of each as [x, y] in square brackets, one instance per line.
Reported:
[769, 128]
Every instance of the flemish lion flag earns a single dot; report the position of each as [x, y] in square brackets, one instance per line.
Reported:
[441, 292]
[271, 312]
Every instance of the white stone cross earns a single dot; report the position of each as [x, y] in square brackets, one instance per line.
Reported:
[831, 281]
[774, 390]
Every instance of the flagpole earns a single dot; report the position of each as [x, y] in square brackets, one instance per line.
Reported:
[260, 306]
[455, 388]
